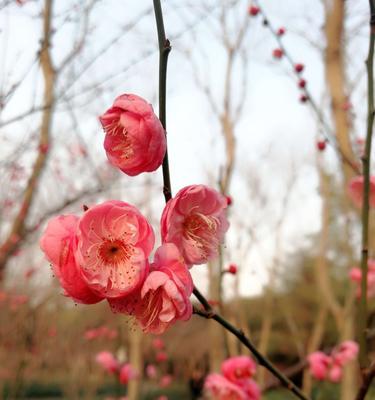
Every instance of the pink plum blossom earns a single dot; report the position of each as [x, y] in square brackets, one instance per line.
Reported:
[237, 369]
[164, 296]
[195, 221]
[251, 389]
[220, 388]
[158, 343]
[135, 140]
[151, 371]
[108, 361]
[114, 243]
[355, 275]
[345, 352]
[126, 374]
[161, 356]
[319, 364]
[356, 188]
[59, 243]
[335, 373]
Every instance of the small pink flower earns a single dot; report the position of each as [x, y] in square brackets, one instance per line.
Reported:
[126, 374]
[114, 242]
[135, 139]
[151, 371]
[355, 275]
[251, 389]
[165, 381]
[161, 356]
[319, 364]
[91, 334]
[158, 343]
[345, 352]
[356, 188]
[108, 361]
[335, 373]
[237, 369]
[164, 296]
[220, 388]
[58, 244]
[195, 221]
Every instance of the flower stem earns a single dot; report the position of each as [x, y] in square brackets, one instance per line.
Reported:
[164, 50]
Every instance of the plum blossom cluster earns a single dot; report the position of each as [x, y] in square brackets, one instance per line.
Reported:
[355, 275]
[329, 367]
[235, 381]
[124, 371]
[105, 253]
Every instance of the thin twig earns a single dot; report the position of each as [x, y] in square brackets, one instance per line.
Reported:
[368, 376]
[366, 160]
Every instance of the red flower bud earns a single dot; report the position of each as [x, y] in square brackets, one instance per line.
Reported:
[302, 83]
[254, 11]
[321, 145]
[233, 269]
[299, 68]
[281, 31]
[278, 53]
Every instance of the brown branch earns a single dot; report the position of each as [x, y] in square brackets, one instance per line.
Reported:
[368, 376]
[17, 230]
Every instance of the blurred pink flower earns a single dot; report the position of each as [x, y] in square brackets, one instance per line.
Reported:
[355, 190]
[195, 221]
[165, 381]
[251, 389]
[135, 139]
[58, 244]
[162, 397]
[355, 275]
[114, 242]
[237, 369]
[126, 374]
[335, 373]
[319, 364]
[158, 343]
[345, 352]
[108, 361]
[220, 388]
[161, 356]
[151, 371]
[91, 334]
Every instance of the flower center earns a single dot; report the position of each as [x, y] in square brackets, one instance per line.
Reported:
[114, 252]
[202, 230]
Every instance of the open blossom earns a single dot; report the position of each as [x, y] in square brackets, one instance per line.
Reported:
[108, 361]
[164, 296]
[218, 387]
[356, 188]
[237, 369]
[195, 221]
[59, 243]
[135, 140]
[114, 243]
